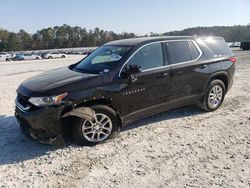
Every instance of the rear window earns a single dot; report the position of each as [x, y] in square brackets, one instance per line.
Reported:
[217, 45]
[194, 51]
[179, 51]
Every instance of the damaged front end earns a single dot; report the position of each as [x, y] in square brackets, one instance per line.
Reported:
[45, 124]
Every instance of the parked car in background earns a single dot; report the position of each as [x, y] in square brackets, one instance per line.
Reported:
[235, 44]
[20, 57]
[87, 53]
[2, 57]
[43, 54]
[12, 55]
[68, 52]
[5, 56]
[78, 53]
[52, 55]
[37, 54]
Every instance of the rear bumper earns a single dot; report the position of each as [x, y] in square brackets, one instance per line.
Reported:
[43, 125]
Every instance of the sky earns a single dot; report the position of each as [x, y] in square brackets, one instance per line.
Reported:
[137, 16]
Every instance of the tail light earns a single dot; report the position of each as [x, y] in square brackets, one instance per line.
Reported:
[233, 59]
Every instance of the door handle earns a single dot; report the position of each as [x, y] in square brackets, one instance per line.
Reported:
[203, 66]
[163, 74]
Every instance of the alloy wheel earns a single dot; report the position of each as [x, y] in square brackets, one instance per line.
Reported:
[97, 130]
[215, 96]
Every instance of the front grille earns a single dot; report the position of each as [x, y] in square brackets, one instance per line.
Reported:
[22, 103]
[22, 100]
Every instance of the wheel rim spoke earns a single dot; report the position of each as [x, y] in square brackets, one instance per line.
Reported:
[102, 118]
[104, 133]
[98, 136]
[105, 122]
[93, 136]
[107, 128]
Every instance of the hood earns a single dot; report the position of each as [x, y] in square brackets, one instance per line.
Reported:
[51, 80]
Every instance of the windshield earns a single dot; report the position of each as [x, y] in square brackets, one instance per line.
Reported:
[102, 60]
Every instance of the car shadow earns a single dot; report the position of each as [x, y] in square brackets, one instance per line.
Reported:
[172, 114]
[15, 147]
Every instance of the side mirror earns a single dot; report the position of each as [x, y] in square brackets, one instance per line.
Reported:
[134, 69]
[131, 72]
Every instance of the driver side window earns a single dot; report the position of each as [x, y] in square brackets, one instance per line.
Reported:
[148, 57]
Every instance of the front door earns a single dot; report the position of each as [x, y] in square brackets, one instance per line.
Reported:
[149, 87]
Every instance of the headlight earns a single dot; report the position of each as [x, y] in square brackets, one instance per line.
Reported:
[48, 101]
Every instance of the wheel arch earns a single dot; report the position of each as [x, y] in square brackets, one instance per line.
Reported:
[105, 102]
[222, 75]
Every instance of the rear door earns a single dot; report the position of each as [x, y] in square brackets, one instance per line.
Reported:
[54, 55]
[187, 75]
[152, 83]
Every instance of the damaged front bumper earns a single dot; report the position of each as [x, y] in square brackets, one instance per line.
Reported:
[42, 124]
[45, 124]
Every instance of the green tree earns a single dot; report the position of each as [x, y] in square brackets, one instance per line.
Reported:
[4, 36]
[66, 36]
[13, 42]
[37, 41]
[25, 40]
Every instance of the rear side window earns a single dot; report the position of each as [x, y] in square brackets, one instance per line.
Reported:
[179, 51]
[217, 45]
[194, 51]
[150, 56]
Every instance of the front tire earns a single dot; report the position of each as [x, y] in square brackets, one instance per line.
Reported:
[103, 127]
[214, 96]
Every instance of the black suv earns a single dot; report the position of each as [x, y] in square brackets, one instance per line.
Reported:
[123, 81]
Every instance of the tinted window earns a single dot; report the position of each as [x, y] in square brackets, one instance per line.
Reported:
[194, 51]
[179, 51]
[217, 45]
[148, 57]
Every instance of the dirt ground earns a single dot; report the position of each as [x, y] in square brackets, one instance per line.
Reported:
[180, 148]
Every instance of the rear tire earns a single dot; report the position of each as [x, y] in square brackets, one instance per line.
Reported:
[214, 96]
[104, 127]
[50, 57]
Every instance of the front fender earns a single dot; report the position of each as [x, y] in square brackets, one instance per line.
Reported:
[82, 112]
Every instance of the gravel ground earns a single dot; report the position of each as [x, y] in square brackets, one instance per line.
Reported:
[180, 148]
